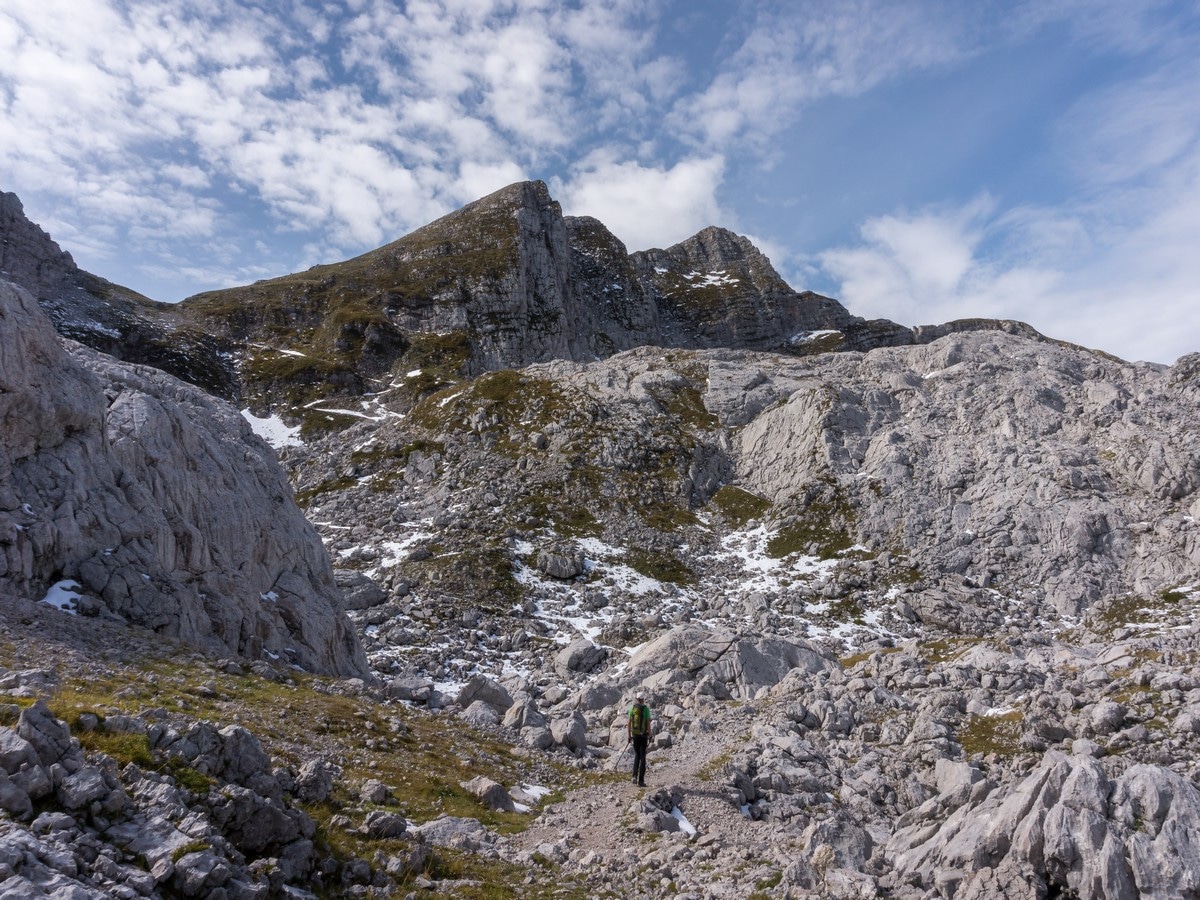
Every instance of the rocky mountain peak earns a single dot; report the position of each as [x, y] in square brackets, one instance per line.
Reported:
[28, 255]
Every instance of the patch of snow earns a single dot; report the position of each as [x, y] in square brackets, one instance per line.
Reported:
[273, 430]
[269, 597]
[413, 374]
[809, 337]
[64, 595]
[710, 279]
[997, 711]
[347, 412]
[684, 825]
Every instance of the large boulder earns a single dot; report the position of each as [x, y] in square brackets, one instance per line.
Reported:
[744, 663]
[579, 657]
[158, 501]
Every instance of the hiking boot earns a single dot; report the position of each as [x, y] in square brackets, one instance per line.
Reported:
[641, 784]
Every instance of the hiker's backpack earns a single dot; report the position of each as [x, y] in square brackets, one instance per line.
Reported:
[639, 717]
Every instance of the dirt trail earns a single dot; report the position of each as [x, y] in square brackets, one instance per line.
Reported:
[597, 826]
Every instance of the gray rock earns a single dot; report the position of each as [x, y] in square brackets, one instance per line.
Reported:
[480, 714]
[375, 791]
[1066, 825]
[579, 657]
[379, 825]
[459, 833]
[199, 874]
[570, 732]
[14, 800]
[560, 562]
[485, 690]
[81, 789]
[314, 783]
[413, 688]
[1107, 717]
[359, 591]
[489, 793]
[173, 513]
[744, 664]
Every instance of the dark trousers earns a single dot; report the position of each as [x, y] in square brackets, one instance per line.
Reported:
[641, 743]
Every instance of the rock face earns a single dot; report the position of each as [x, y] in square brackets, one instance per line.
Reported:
[717, 290]
[157, 502]
[103, 315]
[1068, 826]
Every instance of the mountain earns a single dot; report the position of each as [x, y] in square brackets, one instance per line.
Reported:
[501, 283]
[915, 608]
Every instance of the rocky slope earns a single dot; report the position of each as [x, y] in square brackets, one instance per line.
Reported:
[917, 618]
[154, 504]
[503, 282]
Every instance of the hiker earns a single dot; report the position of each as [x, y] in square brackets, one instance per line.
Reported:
[638, 728]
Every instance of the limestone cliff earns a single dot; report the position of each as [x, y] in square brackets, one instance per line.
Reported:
[157, 501]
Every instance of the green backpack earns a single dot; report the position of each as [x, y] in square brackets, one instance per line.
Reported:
[639, 717]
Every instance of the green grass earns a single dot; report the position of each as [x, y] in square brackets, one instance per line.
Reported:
[661, 565]
[506, 404]
[822, 525]
[999, 734]
[738, 506]
[404, 748]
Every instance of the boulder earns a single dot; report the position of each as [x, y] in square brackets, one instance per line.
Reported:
[560, 562]
[413, 688]
[159, 501]
[570, 732]
[579, 657]
[744, 664]
[358, 591]
[480, 714]
[485, 690]
[1066, 827]
[489, 793]
[455, 832]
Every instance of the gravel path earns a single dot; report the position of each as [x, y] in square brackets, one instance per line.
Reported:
[599, 832]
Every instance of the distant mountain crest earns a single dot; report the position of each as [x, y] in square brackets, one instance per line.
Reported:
[504, 282]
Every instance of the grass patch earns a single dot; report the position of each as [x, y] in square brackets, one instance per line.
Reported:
[944, 650]
[485, 575]
[661, 565]
[404, 748]
[716, 766]
[846, 609]
[738, 506]
[475, 877]
[305, 497]
[849, 662]
[821, 528]
[508, 405]
[999, 734]
[1133, 609]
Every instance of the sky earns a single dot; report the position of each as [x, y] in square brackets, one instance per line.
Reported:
[919, 160]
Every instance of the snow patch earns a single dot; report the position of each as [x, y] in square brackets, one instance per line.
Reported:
[64, 595]
[684, 825]
[273, 430]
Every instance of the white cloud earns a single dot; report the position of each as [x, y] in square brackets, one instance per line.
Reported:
[646, 206]
[806, 52]
[1129, 287]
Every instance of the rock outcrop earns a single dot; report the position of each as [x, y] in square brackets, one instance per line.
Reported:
[105, 316]
[156, 503]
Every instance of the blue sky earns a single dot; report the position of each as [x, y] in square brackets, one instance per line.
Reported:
[921, 161]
